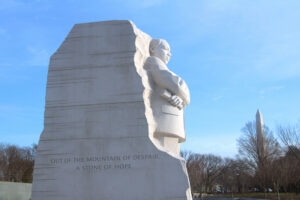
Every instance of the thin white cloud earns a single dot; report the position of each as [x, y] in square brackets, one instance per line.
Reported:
[24, 5]
[4, 108]
[4, 35]
[150, 3]
[2, 31]
[223, 145]
[20, 138]
[269, 34]
[39, 57]
[278, 57]
[217, 98]
[271, 89]
[10, 4]
[5, 65]
[16, 108]
[143, 3]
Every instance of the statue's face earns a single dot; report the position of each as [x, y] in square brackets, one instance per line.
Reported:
[163, 52]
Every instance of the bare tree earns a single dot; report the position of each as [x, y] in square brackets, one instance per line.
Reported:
[195, 165]
[248, 147]
[204, 170]
[16, 164]
[290, 137]
[236, 176]
[213, 168]
[249, 150]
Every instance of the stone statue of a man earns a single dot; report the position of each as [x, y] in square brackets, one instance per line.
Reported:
[169, 98]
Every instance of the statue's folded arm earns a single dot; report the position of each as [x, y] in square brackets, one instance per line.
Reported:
[166, 79]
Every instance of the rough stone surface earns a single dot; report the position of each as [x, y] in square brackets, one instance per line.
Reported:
[98, 139]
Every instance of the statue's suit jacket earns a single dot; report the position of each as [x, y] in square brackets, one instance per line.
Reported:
[169, 119]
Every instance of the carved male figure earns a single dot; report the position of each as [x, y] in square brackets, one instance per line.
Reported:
[170, 96]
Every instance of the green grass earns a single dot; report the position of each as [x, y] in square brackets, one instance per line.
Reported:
[270, 196]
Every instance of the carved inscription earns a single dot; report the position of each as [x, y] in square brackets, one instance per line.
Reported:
[100, 163]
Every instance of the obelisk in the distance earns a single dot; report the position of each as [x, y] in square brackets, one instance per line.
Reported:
[260, 136]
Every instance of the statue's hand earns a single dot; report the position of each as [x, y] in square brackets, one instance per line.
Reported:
[176, 101]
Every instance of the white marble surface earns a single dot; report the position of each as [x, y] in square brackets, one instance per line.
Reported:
[99, 137]
[169, 97]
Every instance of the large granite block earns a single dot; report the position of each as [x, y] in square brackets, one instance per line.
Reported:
[100, 138]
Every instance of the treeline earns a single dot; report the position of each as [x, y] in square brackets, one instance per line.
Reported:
[276, 169]
[16, 163]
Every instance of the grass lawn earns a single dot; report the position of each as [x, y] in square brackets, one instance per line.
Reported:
[271, 196]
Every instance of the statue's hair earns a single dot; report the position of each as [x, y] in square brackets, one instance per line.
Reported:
[154, 44]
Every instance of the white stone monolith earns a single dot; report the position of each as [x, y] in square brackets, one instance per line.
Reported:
[102, 139]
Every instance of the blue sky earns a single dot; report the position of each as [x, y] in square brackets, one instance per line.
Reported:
[236, 56]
